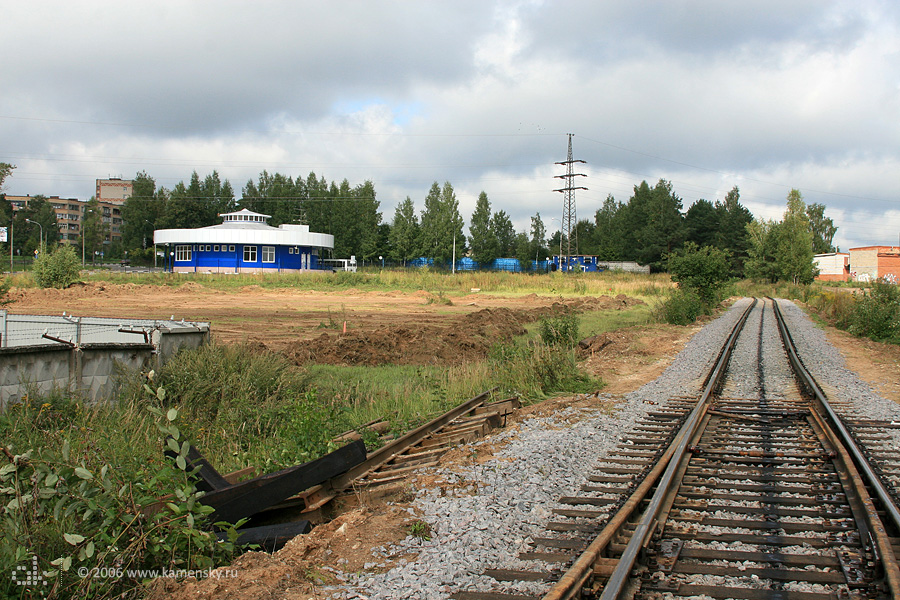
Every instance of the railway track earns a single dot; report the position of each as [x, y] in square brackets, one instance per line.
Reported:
[757, 489]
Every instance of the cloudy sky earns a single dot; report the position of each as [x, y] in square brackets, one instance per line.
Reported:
[765, 95]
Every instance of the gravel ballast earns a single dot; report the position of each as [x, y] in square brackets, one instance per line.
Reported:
[495, 508]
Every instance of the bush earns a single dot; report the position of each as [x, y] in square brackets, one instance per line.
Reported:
[59, 269]
[682, 308]
[877, 314]
[560, 331]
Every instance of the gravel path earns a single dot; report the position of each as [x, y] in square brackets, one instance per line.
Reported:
[501, 504]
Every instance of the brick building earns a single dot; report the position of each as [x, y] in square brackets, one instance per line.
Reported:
[875, 262]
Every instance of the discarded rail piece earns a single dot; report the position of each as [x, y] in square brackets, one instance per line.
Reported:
[236, 500]
[286, 503]
[750, 498]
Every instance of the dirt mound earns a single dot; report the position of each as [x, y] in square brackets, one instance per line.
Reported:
[460, 340]
[303, 566]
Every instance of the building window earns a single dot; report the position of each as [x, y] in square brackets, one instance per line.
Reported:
[230, 248]
[216, 248]
[268, 254]
[250, 254]
[182, 254]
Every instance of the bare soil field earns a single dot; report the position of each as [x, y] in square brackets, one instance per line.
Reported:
[390, 327]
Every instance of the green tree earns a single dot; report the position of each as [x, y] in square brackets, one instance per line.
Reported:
[609, 230]
[481, 239]
[821, 227]
[524, 251]
[732, 234]
[199, 203]
[794, 242]
[782, 251]
[276, 195]
[701, 223]
[404, 236]
[538, 238]
[441, 225]
[633, 216]
[505, 234]
[6, 170]
[662, 229]
[141, 212]
[584, 238]
[761, 260]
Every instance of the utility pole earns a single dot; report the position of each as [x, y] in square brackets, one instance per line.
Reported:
[568, 219]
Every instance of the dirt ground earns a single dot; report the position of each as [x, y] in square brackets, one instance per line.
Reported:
[356, 327]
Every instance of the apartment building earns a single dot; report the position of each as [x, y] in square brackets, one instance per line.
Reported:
[70, 216]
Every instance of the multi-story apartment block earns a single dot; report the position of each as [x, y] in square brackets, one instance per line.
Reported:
[70, 216]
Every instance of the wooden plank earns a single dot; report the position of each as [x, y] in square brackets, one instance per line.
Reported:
[250, 497]
[385, 453]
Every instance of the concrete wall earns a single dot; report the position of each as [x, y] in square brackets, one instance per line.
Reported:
[87, 370]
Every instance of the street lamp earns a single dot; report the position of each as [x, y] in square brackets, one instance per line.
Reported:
[42, 232]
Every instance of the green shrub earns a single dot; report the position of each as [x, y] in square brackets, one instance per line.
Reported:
[682, 308]
[59, 269]
[877, 314]
[705, 271]
[561, 330]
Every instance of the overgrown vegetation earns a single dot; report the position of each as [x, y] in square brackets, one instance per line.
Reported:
[82, 510]
[876, 314]
[561, 330]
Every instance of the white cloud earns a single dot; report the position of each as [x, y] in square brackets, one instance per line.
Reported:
[765, 95]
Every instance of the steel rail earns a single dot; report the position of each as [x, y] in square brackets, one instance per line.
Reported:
[869, 476]
[572, 581]
[862, 462]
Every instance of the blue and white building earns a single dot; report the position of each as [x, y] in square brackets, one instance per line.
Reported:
[244, 243]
